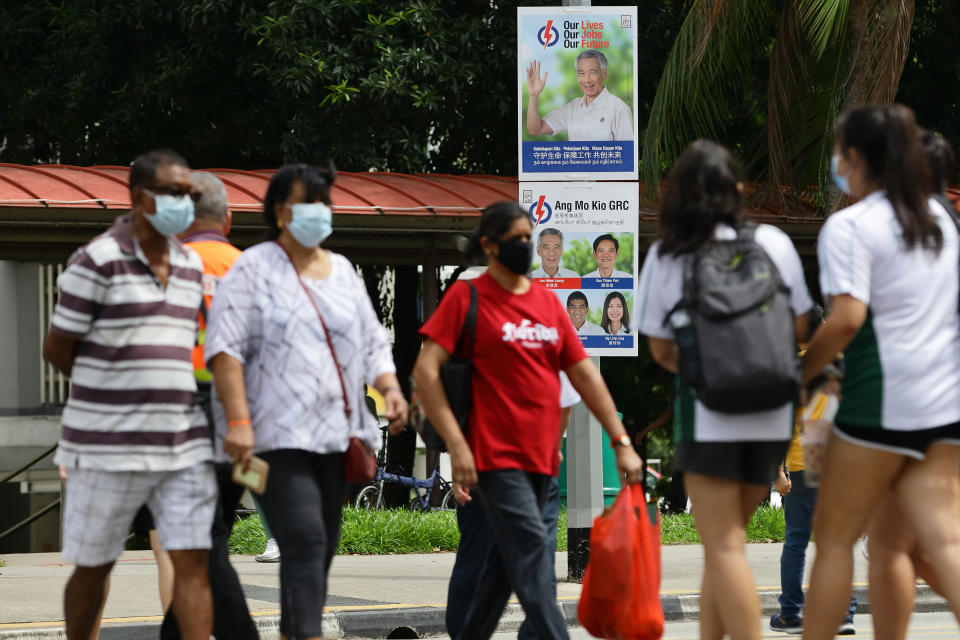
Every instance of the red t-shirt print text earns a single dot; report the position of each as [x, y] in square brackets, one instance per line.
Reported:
[530, 335]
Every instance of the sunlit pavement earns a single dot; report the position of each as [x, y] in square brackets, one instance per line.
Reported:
[923, 626]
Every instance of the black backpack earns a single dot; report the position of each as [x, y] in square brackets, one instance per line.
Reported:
[738, 349]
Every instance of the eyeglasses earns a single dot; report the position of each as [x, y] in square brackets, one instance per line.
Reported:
[178, 192]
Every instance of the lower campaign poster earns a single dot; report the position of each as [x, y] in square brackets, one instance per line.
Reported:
[584, 234]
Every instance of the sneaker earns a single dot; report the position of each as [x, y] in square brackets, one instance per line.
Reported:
[846, 629]
[271, 553]
[787, 625]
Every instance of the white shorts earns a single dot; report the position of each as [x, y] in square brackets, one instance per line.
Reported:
[101, 505]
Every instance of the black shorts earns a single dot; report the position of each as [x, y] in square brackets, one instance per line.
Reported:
[907, 443]
[143, 522]
[749, 462]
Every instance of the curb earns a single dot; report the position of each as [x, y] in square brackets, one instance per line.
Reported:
[418, 622]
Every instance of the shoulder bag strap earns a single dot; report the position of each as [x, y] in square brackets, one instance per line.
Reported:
[469, 323]
[333, 352]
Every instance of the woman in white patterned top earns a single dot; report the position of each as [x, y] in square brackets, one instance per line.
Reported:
[282, 394]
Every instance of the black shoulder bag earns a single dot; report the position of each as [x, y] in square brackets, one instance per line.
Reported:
[456, 377]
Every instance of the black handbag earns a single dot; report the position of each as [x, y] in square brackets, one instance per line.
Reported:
[456, 377]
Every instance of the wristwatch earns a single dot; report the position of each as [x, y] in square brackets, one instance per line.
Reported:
[622, 441]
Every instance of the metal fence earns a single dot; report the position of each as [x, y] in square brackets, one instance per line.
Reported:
[54, 386]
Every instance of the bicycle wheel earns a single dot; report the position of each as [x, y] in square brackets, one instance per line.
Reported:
[367, 498]
[449, 503]
[415, 505]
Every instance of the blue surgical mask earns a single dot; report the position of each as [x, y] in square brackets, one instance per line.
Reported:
[174, 213]
[312, 223]
[841, 181]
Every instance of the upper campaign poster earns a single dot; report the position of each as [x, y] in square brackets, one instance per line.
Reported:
[584, 235]
[577, 92]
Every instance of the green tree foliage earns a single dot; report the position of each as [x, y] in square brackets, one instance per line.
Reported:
[928, 84]
[578, 256]
[402, 85]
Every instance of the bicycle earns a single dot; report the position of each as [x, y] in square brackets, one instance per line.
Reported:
[371, 496]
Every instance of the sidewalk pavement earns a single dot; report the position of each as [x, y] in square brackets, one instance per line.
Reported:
[370, 596]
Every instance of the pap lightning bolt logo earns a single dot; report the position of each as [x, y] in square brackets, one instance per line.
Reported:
[548, 36]
[540, 211]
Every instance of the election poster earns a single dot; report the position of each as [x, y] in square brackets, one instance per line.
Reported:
[584, 237]
[577, 93]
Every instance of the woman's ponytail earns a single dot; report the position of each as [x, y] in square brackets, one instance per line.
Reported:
[888, 139]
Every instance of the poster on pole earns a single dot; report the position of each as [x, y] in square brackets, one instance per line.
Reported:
[577, 93]
[584, 235]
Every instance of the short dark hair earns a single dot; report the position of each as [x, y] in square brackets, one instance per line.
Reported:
[495, 221]
[144, 168]
[316, 183]
[606, 236]
[702, 193]
[578, 295]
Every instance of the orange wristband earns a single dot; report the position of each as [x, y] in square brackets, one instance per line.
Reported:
[242, 422]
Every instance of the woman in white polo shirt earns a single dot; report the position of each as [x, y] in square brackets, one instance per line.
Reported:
[729, 460]
[889, 272]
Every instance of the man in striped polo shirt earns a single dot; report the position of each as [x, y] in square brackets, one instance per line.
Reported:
[123, 329]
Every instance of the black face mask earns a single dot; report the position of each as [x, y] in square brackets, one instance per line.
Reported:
[516, 255]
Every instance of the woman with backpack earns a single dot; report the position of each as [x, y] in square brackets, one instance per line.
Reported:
[889, 273]
[509, 455]
[728, 459]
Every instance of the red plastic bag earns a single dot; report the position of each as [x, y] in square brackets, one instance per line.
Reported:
[621, 586]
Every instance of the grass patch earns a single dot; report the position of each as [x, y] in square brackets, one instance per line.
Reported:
[766, 525]
[397, 531]
[248, 536]
[678, 529]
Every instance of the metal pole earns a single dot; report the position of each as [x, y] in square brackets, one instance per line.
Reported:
[584, 485]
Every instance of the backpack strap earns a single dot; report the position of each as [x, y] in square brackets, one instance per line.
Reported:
[747, 232]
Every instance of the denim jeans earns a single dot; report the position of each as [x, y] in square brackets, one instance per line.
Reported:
[497, 555]
[798, 513]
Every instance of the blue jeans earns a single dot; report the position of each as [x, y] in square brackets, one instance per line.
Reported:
[798, 514]
[475, 543]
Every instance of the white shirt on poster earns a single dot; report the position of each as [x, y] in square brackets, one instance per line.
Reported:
[607, 117]
[661, 287]
[561, 273]
[589, 329]
[624, 331]
[614, 274]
